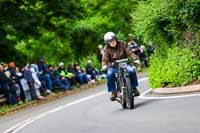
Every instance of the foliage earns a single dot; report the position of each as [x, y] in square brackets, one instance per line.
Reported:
[178, 67]
[113, 15]
[165, 21]
[49, 44]
[35, 28]
[73, 28]
[93, 58]
[84, 42]
[171, 25]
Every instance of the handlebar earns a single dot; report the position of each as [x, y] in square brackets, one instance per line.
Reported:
[121, 61]
[116, 63]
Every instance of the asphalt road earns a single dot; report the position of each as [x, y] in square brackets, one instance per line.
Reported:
[92, 112]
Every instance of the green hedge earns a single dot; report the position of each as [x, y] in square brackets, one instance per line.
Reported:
[93, 58]
[178, 67]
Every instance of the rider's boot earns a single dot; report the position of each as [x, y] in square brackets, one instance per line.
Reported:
[136, 92]
[113, 96]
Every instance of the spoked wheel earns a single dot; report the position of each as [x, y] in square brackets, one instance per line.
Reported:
[129, 94]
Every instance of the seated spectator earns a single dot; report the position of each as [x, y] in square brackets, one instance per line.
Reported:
[43, 88]
[67, 74]
[5, 83]
[91, 70]
[26, 90]
[37, 84]
[82, 76]
[15, 90]
[29, 78]
[43, 69]
[19, 76]
[57, 79]
[79, 75]
[12, 69]
[36, 69]
[15, 87]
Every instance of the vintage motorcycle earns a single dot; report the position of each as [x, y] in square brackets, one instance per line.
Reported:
[124, 90]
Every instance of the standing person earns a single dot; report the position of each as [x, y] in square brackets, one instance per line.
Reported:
[133, 45]
[115, 50]
[143, 56]
[100, 52]
[150, 49]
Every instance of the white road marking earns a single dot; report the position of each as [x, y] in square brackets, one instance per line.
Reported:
[21, 125]
[142, 96]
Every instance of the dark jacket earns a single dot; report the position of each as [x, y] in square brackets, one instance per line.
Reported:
[89, 69]
[54, 74]
[4, 83]
[121, 51]
[3, 78]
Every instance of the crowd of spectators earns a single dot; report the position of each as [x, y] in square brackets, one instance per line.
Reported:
[36, 81]
[141, 51]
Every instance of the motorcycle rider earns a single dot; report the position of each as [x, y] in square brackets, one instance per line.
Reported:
[116, 50]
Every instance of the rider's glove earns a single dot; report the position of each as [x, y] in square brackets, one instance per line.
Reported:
[104, 67]
[137, 62]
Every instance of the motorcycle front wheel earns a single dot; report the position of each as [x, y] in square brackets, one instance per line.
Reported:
[129, 94]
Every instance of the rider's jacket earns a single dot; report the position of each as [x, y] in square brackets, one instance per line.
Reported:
[121, 51]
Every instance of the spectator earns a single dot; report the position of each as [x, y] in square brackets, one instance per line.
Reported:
[19, 76]
[133, 45]
[91, 70]
[15, 87]
[36, 69]
[100, 52]
[45, 75]
[5, 86]
[29, 78]
[143, 57]
[82, 76]
[12, 69]
[15, 90]
[37, 84]
[66, 74]
[58, 80]
[150, 49]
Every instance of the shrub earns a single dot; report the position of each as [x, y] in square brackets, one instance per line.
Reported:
[95, 62]
[179, 67]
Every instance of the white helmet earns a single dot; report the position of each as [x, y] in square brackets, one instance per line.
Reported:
[109, 36]
[61, 64]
